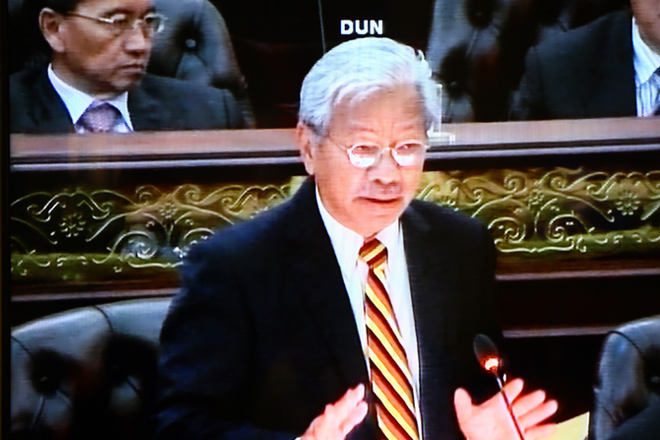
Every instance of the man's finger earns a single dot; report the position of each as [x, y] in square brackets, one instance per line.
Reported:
[354, 418]
[339, 418]
[527, 402]
[462, 403]
[540, 432]
[513, 389]
[539, 414]
[347, 403]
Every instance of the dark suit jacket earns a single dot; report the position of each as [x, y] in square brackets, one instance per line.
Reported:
[263, 336]
[585, 73]
[155, 103]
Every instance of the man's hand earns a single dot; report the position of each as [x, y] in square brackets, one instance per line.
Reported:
[339, 418]
[491, 419]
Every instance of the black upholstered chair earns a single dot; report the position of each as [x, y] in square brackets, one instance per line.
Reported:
[627, 392]
[88, 373]
[477, 47]
[194, 46]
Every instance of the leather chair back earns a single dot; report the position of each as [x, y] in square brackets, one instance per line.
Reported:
[628, 381]
[87, 373]
[195, 46]
[477, 48]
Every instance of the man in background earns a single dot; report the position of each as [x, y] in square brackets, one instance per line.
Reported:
[350, 310]
[96, 80]
[608, 68]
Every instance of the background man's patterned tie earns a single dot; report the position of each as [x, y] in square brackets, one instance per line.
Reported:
[391, 380]
[99, 117]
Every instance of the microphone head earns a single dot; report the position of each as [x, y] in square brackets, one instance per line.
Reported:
[486, 353]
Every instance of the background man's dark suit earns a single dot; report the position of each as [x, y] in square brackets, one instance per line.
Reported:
[155, 103]
[585, 73]
[264, 336]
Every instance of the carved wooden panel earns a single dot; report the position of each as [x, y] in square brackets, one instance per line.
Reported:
[92, 234]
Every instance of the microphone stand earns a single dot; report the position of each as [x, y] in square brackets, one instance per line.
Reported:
[489, 358]
[508, 405]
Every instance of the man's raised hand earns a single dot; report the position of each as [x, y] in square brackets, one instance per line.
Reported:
[492, 421]
[339, 418]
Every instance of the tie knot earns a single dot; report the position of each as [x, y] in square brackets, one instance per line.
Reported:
[374, 253]
[99, 117]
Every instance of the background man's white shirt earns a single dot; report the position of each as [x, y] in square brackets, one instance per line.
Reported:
[647, 83]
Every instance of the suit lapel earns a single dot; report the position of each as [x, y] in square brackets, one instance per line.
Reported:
[47, 110]
[612, 90]
[317, 279]
[146, 113]
[430, 295]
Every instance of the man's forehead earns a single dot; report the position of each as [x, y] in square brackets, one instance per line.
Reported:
[370, 115]
[110, 6]
[410, 124]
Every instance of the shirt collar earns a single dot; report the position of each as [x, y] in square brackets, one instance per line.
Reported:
[77, 101]
[645, 60]
[347, 243]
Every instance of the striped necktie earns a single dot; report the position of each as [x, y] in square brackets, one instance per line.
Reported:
[391, 380]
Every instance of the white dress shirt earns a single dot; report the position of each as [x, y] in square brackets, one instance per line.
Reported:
[76, 103]
[647, 83]
[346, 244]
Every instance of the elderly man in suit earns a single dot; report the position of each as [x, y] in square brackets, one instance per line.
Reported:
[608, 68]
[96, 80]
[349, 311]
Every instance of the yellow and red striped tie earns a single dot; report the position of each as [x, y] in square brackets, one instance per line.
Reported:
[391, 380]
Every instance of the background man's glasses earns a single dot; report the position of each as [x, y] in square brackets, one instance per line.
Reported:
[150, 24]
[364, 155]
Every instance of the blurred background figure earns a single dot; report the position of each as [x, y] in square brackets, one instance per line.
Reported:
[608, 68]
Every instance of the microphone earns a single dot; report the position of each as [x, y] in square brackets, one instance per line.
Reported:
[487, 354]
[490, 360]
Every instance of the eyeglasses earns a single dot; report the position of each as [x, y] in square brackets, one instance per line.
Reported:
[364, 155]
[151, 24]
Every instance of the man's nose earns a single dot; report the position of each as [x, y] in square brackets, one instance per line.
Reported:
[386, 170]
[138, 40]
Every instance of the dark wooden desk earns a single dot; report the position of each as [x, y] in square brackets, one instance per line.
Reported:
[573, 206]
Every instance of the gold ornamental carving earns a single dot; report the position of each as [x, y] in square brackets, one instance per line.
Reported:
[107, 232]
[83, 234]
[560, 212]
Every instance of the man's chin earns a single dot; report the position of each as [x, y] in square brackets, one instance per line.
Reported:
[130, 80]
[382, 212]
[124, 82]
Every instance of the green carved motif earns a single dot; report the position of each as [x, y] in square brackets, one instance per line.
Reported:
[98, 234]
[562, 212]
[81, 235]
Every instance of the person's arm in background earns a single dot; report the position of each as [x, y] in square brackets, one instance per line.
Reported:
[528, 102]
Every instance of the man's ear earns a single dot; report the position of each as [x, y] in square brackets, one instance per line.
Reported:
[306, 143]
[50, 23]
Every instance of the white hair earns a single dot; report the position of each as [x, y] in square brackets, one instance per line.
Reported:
[356, 70]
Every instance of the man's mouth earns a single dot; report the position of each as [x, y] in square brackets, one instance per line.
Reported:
[134, 68]
[382, 200]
